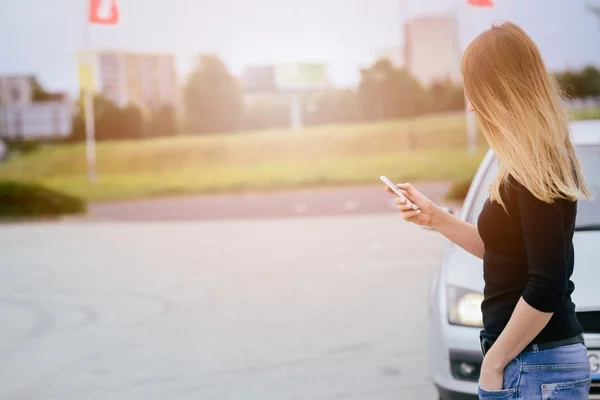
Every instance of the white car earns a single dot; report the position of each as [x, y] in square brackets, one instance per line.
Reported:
[456, 293]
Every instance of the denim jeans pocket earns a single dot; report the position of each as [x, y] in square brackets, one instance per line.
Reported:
[510, 381]
[577, 390]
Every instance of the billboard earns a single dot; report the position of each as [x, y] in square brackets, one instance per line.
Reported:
[301, 76]
[286, 77]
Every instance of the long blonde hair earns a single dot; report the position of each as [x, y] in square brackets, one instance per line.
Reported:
[519, 108]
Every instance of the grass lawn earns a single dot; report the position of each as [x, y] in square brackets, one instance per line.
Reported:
[427, 148]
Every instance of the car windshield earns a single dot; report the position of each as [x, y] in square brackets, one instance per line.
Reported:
[588, 212]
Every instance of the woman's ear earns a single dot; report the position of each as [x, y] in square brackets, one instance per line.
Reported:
[470, 106]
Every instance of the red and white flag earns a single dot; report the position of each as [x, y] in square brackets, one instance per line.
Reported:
[481, 3]
[103, 12]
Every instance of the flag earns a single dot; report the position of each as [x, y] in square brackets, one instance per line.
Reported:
[481, 3]
[103, 12]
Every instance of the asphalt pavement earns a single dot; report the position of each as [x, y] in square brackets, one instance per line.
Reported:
[311, 202]
[320, 308]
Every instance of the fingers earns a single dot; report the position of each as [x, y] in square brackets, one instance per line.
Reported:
[408, 188]
[409, 215]
[409, 192]
[406, 202]
[406, 194]
[402, 205]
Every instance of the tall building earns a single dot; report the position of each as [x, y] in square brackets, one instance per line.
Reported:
[432, 50]
[147, 80]
[16, 89]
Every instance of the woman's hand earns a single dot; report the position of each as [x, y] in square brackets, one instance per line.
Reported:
[491, 378]
[427, 212]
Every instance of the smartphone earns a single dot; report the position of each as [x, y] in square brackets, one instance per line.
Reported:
[391, 185]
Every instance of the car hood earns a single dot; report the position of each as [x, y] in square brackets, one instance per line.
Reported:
[465, 270]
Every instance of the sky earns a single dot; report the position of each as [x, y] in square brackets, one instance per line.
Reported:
[42, 37]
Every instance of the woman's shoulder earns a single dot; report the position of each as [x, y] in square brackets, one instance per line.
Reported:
[510, 188]
[521, 194]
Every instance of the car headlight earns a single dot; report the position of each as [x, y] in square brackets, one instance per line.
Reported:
[464, 307]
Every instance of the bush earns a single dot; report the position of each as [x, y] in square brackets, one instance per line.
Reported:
[22, 146]
[21, 199]
[458, 190]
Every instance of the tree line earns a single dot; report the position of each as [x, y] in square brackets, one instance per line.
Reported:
[214, 102]
[580, 84]
[130, 122]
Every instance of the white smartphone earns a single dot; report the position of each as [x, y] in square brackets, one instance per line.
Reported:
[391, 185]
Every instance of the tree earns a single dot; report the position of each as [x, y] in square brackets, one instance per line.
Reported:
[445, 96]
[213, 98]
[111, 122]
[39, 94]
[387, 92]
[591, 77]
[162, 122]
[333, 106]
[267, 111]
[580, 84]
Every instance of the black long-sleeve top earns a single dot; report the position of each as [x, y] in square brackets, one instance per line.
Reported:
[528, 253]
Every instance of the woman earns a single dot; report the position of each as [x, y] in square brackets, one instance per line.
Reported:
[532, 342]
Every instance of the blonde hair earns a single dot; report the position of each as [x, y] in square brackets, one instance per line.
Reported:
[519, 108]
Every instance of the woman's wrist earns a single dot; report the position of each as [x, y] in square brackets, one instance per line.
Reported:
[496, 360]
[437, 217]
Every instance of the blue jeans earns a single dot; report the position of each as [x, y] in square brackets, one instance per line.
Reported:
[552, 374]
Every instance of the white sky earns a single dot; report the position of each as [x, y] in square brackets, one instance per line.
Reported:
[43, 36]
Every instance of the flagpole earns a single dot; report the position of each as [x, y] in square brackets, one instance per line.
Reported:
[88, 104]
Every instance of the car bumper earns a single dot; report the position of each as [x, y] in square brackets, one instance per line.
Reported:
[592, 341]
[446, 394]
[461, 344]
[455, 344]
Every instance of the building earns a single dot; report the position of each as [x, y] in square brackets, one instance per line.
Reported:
[147, 80]
[432, 50]
[29, 112]
[16, 89]
[40, 120]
